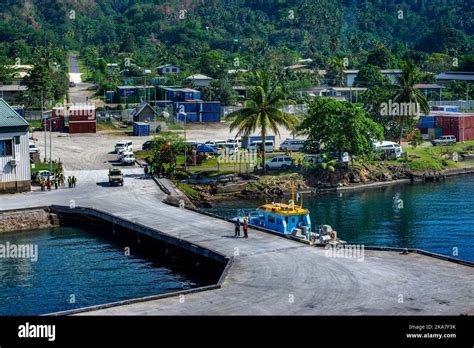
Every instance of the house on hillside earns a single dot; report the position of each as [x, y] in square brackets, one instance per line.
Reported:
[338, 93]
[12, 93]
[168, 69]
[447, 77]
[350, 75]
[431, 91]
[143, 113]
[15, 172]
[199, 80]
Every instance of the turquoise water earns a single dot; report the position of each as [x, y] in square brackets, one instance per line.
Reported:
[437, 217]
[77, 268]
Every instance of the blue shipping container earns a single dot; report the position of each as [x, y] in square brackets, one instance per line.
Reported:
[210, 117]
[190, 117]
[141, 129]
[127, 91]
[214, 107]
[449, 108]
[427, 122]
[186, 107]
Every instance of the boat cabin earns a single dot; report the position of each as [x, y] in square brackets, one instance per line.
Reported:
[281, 218]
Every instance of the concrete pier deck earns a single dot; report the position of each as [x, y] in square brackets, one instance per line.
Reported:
[271, 275]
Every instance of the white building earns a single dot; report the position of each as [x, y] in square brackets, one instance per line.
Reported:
[200, 80]
[15, 172]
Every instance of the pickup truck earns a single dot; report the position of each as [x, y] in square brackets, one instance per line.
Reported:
[115, 176]
[444, 140]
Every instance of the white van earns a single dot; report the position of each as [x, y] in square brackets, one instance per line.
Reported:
[127, 145]
[128, 158]
[257, 145]
[238, 141]
[388, 145]
[292, 145]
[230, 148]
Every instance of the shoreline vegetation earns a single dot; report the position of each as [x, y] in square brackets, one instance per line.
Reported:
[436, 164]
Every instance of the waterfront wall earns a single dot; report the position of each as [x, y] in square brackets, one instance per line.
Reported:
[27, 219]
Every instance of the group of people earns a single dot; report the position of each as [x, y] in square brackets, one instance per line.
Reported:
[71, 181]
[47, 183]
[245, 227]
[150, 170]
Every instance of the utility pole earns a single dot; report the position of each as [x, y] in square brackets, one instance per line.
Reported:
[186, 145]
[43, 122]
[50, 146]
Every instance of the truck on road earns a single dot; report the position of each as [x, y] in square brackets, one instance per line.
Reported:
[115, 176]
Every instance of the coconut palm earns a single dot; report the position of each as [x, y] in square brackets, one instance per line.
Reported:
[262, 111]
[408, 93]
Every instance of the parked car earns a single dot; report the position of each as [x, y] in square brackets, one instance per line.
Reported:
[147, 145]
[128, 158]
[445, 140]
[388, 146]
[44, 174]
[72, 84]
[33, 148]
[279, 162]
[115, 176]
[292, 145]
[123, 144]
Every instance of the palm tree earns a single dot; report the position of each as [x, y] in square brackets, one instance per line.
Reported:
[408, 93]
[262, 111]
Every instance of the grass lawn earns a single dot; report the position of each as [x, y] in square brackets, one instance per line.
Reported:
[104, 126]
[42, 166]
[175, 126]
[430, 157]
[35, 124]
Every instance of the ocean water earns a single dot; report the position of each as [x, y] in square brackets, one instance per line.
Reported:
[77, 268]
[437, 217]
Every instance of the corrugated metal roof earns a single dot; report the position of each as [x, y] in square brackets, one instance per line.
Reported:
[9, 117]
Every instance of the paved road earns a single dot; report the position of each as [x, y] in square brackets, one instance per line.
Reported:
[271, 275]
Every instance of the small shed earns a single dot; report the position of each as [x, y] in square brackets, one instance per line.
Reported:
[168, 69]
[143, 113]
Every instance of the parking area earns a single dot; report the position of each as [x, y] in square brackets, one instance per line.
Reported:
[84, 151]
[95, 151]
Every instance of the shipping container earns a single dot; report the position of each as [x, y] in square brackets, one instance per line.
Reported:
[186, 107]
[190, 117]
[210, 117]
[109, 97]
[141, 129]
[189, 94]
[423, 130]
[449, 108]
[82, 127]
[427, 122]
[55, 123]
[214, 107]
[163, 103]
[127, 91]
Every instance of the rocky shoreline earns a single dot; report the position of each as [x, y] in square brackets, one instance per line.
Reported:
[27, 219]
[347, 179]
